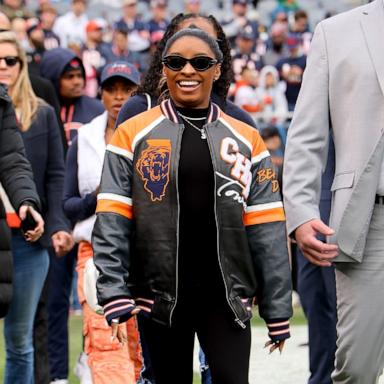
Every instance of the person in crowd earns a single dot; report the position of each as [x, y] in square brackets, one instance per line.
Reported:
[237, 21]
[172, 280]
[107, 360]
[119, 50]
[284, 8]
[300, 28]
[274, 103]
[92, 57]
[291, 69]
[47, 16]
[245, 91]
[343, 58]
[158, 22]
[137, 29]
[275, 48]
[244, 55]
[41, 136]
[192, 7]
[66, 72]
[15, 9]
[17, 182]
[19, 27]
[71, 26]
[36, 46]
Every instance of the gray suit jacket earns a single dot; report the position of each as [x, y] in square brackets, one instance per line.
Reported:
[342, 94]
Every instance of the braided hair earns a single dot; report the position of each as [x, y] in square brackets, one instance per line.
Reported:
[153, 84]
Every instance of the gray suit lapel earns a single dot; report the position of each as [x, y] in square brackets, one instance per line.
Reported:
[372, 23]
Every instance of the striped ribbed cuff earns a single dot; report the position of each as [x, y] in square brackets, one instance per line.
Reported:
[278, 330]
[144, 304]
[121, 308]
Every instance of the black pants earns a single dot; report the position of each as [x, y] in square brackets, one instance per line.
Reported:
[226, 345]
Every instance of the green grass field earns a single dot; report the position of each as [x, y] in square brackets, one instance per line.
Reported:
[75, 326]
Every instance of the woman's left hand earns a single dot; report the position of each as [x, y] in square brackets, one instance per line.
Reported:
[33, 234]
[275, 345]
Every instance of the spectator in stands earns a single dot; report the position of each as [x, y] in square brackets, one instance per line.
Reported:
[158, 22]
[271, 95]
[192, 6]
[47, 15]
[108, 361]
[119, 50]
[71, 26]
[300, 28]
[245, 91]
[291, 70]
[237, 21]
[15, 9]
[244, 55]
[92, 57]
[36, 46]
[19, 27]
[275, 45]
[137, 29]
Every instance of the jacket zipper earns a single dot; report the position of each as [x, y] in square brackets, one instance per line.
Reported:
[178, 224]
[237, 320]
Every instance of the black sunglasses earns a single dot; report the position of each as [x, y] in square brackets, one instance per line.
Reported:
[10, 61]
[200, 63]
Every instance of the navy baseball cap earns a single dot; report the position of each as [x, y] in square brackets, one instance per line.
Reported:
[120, 69]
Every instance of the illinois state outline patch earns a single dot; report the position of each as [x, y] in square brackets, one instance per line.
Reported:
[153, 166]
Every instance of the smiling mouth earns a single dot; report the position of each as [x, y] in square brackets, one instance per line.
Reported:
[188, 85]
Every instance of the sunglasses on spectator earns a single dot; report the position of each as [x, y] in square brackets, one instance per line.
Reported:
[10, 61]
[200, 63]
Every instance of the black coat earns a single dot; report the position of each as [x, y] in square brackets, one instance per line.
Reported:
[17, 180]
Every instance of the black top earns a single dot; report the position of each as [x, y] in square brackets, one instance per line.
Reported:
[199, 269]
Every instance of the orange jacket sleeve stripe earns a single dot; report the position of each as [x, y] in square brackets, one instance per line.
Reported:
[113, 206]
[265, 216]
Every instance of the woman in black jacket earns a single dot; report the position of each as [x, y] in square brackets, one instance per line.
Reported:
[16, 179]
[188, 228]
[41, 136]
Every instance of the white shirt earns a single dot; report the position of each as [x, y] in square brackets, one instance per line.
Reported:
[69, 28]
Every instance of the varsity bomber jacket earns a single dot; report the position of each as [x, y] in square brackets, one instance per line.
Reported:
[135, 238]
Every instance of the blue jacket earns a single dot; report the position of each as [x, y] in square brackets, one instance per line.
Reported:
[44, 149]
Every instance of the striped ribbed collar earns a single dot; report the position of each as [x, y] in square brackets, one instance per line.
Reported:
[169, 110]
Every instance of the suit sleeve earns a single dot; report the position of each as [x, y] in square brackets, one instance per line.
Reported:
[307, 143]
[265, 225]
[111, 239]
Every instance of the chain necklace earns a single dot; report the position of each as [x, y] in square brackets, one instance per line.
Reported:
[187, 120]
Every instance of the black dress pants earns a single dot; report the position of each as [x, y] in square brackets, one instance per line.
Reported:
[226, 345]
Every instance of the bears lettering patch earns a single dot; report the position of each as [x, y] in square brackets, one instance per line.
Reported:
[153, 166]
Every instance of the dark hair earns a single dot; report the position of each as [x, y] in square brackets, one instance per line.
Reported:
[152, 79]
[195, 32]
[269, 132]
[300, 14]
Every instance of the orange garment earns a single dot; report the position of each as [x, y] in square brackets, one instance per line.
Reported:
[108, 360]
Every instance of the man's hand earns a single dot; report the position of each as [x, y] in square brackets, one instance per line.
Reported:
[316, 251]
[62, 242]
[34, 234]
